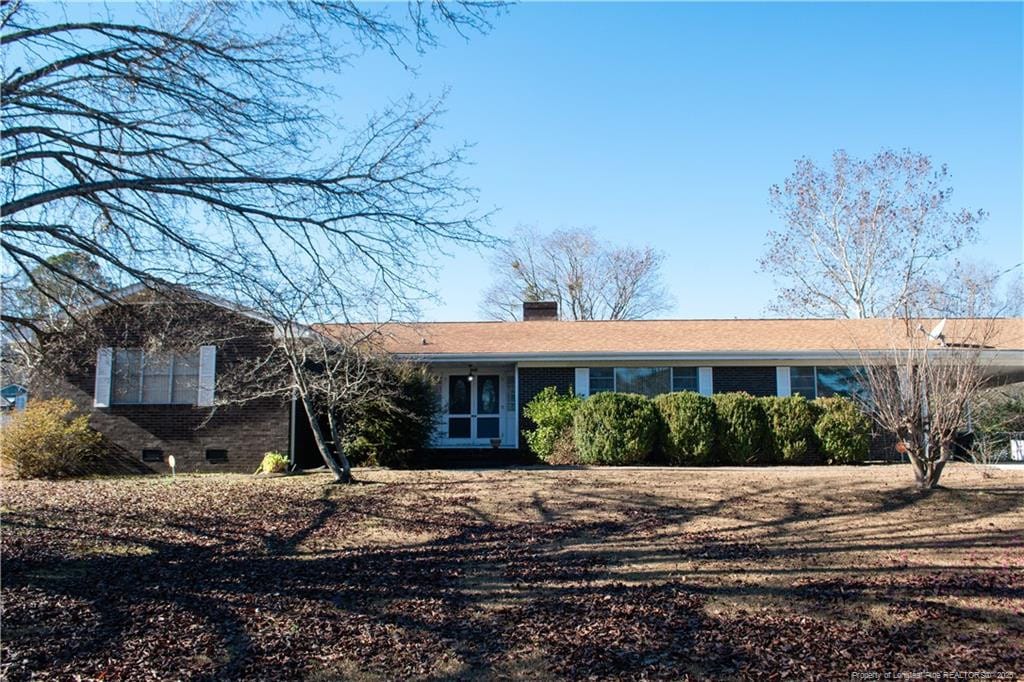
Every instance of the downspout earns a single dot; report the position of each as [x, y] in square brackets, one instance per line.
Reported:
[291, 433]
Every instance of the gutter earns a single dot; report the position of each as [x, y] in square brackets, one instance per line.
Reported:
[996, 357]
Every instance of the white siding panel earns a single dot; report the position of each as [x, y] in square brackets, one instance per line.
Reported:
[705, 380]
[582, 382]
[207, 375]
[104, 370]
[783, 386]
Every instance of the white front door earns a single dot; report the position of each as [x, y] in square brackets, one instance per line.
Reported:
[474, 409]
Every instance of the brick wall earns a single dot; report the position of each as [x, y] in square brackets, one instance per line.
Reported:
[246, 431]
[533, 380]
[753, 380]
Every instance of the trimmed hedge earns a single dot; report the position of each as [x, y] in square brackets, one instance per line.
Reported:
[688, 428]
[553, 414]
[791, 421]
[843, 431]
[616, 429]
[743, 436]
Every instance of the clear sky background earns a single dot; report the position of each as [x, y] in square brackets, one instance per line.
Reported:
[665, 124]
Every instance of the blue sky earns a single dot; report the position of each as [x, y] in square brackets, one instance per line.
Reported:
[665, 124]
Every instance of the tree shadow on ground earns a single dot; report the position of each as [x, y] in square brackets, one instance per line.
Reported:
[237, 596]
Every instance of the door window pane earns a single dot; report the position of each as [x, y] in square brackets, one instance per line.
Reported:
[487, 395]
[801, 382]
[458, 427]
[487, 427]
[458, 394]
[648, 381]
[684, 379]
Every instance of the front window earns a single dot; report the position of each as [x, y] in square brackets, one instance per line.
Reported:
[602, 379]
[685, 379]
[844, 381]
[822, 382]
[154, 378]
[648, 381]
[802, 382]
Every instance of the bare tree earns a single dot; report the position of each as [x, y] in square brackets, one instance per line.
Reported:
[190, 143]
[589, 279]
[973, 290]
[864, 237]
[332, 370]
[921, 388]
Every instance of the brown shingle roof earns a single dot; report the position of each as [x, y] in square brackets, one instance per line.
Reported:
[679, 336]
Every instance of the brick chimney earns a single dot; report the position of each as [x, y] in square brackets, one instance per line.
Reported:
[540, 310]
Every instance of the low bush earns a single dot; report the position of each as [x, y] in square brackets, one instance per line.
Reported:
[616, 429]
[390, 430]
[843, 431]
[688, 425]
[791, 423]
[552, 412]
[45, 440]
[273, 463]
[742, 435]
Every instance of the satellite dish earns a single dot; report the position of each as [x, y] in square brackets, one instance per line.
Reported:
[936, 333]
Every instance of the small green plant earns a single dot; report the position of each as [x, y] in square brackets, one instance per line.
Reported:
[45, 440]
[843, 431]
[791, 421]
[273, 463]
[688, 427]
[616, 429]
[552, 412]
[742, 436]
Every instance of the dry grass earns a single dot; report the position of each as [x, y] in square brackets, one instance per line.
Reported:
[663, 573]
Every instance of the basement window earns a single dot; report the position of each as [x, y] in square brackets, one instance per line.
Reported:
[152, 455]
[216, 455]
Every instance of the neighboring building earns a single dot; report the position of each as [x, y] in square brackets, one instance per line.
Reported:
[151, 405]
[15, 397]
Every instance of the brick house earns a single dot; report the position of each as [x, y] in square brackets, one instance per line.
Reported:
[152, 404]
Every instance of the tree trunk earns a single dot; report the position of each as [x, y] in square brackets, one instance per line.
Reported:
[945, 452]
[321, 442]
[921, 469]
[927, 472]
[346, 468]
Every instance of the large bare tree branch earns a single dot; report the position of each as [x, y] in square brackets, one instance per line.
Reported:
[588, 279]
[863, 238]
[192, 144]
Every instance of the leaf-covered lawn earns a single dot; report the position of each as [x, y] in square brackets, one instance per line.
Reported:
[524, 573]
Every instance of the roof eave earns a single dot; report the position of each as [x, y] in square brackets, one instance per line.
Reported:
[995, 356]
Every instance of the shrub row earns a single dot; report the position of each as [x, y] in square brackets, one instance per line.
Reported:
[693, 430]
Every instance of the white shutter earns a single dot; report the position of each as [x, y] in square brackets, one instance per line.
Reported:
[783, 387]
[705, 381]
[104, 370]
[582, 382]
[207, 375]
